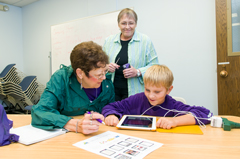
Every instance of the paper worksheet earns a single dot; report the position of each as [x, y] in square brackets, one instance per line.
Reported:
[118, 146]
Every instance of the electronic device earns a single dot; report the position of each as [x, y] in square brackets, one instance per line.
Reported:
[127, 65]
[224, 123]
[216, 122]
[137, 122]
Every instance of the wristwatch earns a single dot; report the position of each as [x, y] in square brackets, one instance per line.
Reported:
[138, 72]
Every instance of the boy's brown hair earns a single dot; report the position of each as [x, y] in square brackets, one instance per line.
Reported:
[158, 75]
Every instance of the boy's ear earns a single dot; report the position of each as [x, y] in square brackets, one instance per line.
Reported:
[170, 89]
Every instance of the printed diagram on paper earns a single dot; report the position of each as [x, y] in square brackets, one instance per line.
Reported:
[119, 146]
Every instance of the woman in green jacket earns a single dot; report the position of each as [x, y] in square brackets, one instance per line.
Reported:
[74, 90]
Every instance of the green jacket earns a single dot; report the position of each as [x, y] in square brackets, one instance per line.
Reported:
[63, 97]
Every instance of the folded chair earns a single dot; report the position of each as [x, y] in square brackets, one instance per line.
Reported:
[22, 93]
[180, 99]
[9, 74]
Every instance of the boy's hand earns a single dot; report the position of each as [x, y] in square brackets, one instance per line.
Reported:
[166, 123]
[111, 120]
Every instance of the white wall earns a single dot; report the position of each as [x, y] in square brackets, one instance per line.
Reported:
[184, 36]
[11, 48]
[37, 20]
[183, 32]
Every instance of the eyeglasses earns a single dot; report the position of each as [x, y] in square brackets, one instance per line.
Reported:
[100, 76]
[125, 23]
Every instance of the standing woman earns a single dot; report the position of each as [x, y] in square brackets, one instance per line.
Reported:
[132, 49]
[75, 89]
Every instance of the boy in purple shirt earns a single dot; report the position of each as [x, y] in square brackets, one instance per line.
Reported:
[155, 101]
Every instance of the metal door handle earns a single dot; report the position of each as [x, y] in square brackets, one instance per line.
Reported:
[223, 73]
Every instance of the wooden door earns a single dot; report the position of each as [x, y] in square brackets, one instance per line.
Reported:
[228, 87]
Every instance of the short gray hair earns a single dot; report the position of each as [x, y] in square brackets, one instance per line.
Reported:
[129, 12]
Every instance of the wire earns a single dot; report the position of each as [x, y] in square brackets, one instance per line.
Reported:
[201, 124]
[147, 110]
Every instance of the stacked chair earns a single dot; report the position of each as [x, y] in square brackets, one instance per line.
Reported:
[9, 74]
[17, 94]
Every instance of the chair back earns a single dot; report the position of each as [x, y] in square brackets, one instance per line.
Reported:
[180, 99]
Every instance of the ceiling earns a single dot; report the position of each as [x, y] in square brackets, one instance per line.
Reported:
[18, 3]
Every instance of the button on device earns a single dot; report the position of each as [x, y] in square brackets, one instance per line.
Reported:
[127, 65]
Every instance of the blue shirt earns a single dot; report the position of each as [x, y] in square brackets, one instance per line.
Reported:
[93, 93]
[141, 55]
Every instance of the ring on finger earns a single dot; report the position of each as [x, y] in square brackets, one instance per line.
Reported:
[91, 116]
[90, 122]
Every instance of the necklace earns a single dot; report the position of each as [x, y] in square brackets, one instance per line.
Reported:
[96, 93]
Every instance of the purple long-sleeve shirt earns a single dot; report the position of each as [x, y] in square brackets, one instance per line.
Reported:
[138, 103]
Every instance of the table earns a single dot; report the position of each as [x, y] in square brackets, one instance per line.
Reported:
[215, 143]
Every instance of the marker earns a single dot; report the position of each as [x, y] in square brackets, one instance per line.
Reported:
[99, 120]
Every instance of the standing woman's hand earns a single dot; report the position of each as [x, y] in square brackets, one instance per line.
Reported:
[87, 125]
[130, 72]
[112, 67]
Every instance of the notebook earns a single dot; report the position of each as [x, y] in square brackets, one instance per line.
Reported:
[29, 134]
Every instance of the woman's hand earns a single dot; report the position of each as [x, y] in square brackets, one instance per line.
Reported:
[112, 67]
[130, 72]
[87, 125]
[166, 123]
[111, 120]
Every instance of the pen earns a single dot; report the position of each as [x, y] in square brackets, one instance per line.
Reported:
[99, 120]
[117, 60]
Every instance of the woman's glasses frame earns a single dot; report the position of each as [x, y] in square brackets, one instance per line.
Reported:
[100, 76]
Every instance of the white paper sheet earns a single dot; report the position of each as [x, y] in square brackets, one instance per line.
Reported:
[118, 146]
[29, 134]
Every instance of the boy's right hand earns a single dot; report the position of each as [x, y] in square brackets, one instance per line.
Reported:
[166, 123]
[111, 120]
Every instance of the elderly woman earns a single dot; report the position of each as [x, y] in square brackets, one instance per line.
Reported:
[131, 53]
[74, 90]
